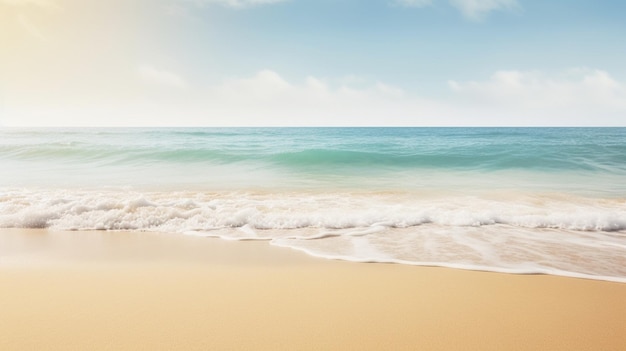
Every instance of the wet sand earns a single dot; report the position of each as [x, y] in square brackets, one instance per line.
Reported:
[147, 291]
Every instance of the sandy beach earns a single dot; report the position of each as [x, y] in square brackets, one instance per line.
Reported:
[146, 291]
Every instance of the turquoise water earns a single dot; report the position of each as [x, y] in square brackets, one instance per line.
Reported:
[594, 159]
[518, 200]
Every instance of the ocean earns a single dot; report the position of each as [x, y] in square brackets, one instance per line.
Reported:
[512, 200]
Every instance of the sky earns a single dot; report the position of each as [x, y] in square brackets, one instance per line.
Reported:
[312, 63]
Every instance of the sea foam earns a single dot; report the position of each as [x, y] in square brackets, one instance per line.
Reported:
[517, 200]
[512, 232]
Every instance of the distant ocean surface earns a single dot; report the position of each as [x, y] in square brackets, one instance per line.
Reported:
[515, 200]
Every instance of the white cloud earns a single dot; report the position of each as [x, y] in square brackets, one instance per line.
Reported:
[478, 9]
[576, 97]
[263, 99]
[474, 10]
[264, 85]
[579, 96]
[413, 3]
[268, 99]
[161, 77]
[239, 4]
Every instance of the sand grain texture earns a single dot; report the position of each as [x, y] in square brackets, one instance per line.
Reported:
[142, 291]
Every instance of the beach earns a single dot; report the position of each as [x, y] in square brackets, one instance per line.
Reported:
[312, 175]
[134, 290]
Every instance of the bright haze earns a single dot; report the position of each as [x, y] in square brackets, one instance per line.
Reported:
[312, 63]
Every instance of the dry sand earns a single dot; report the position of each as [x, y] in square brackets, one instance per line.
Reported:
[142, 291]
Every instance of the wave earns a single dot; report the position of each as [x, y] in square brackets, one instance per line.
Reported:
[326, 160]
[506, 232]
[517, 200]
[182, 211]
[487, 149]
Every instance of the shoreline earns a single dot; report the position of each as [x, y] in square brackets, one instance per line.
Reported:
[465, 267]
[139, 290]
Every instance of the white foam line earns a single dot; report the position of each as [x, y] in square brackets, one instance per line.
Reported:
[324, 235]
[555, 272]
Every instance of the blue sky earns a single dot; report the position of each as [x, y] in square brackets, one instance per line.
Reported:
[305, 62]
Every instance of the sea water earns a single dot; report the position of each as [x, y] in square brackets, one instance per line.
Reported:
[516, 200]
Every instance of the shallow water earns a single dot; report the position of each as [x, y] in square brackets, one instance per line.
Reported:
[518, 200]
